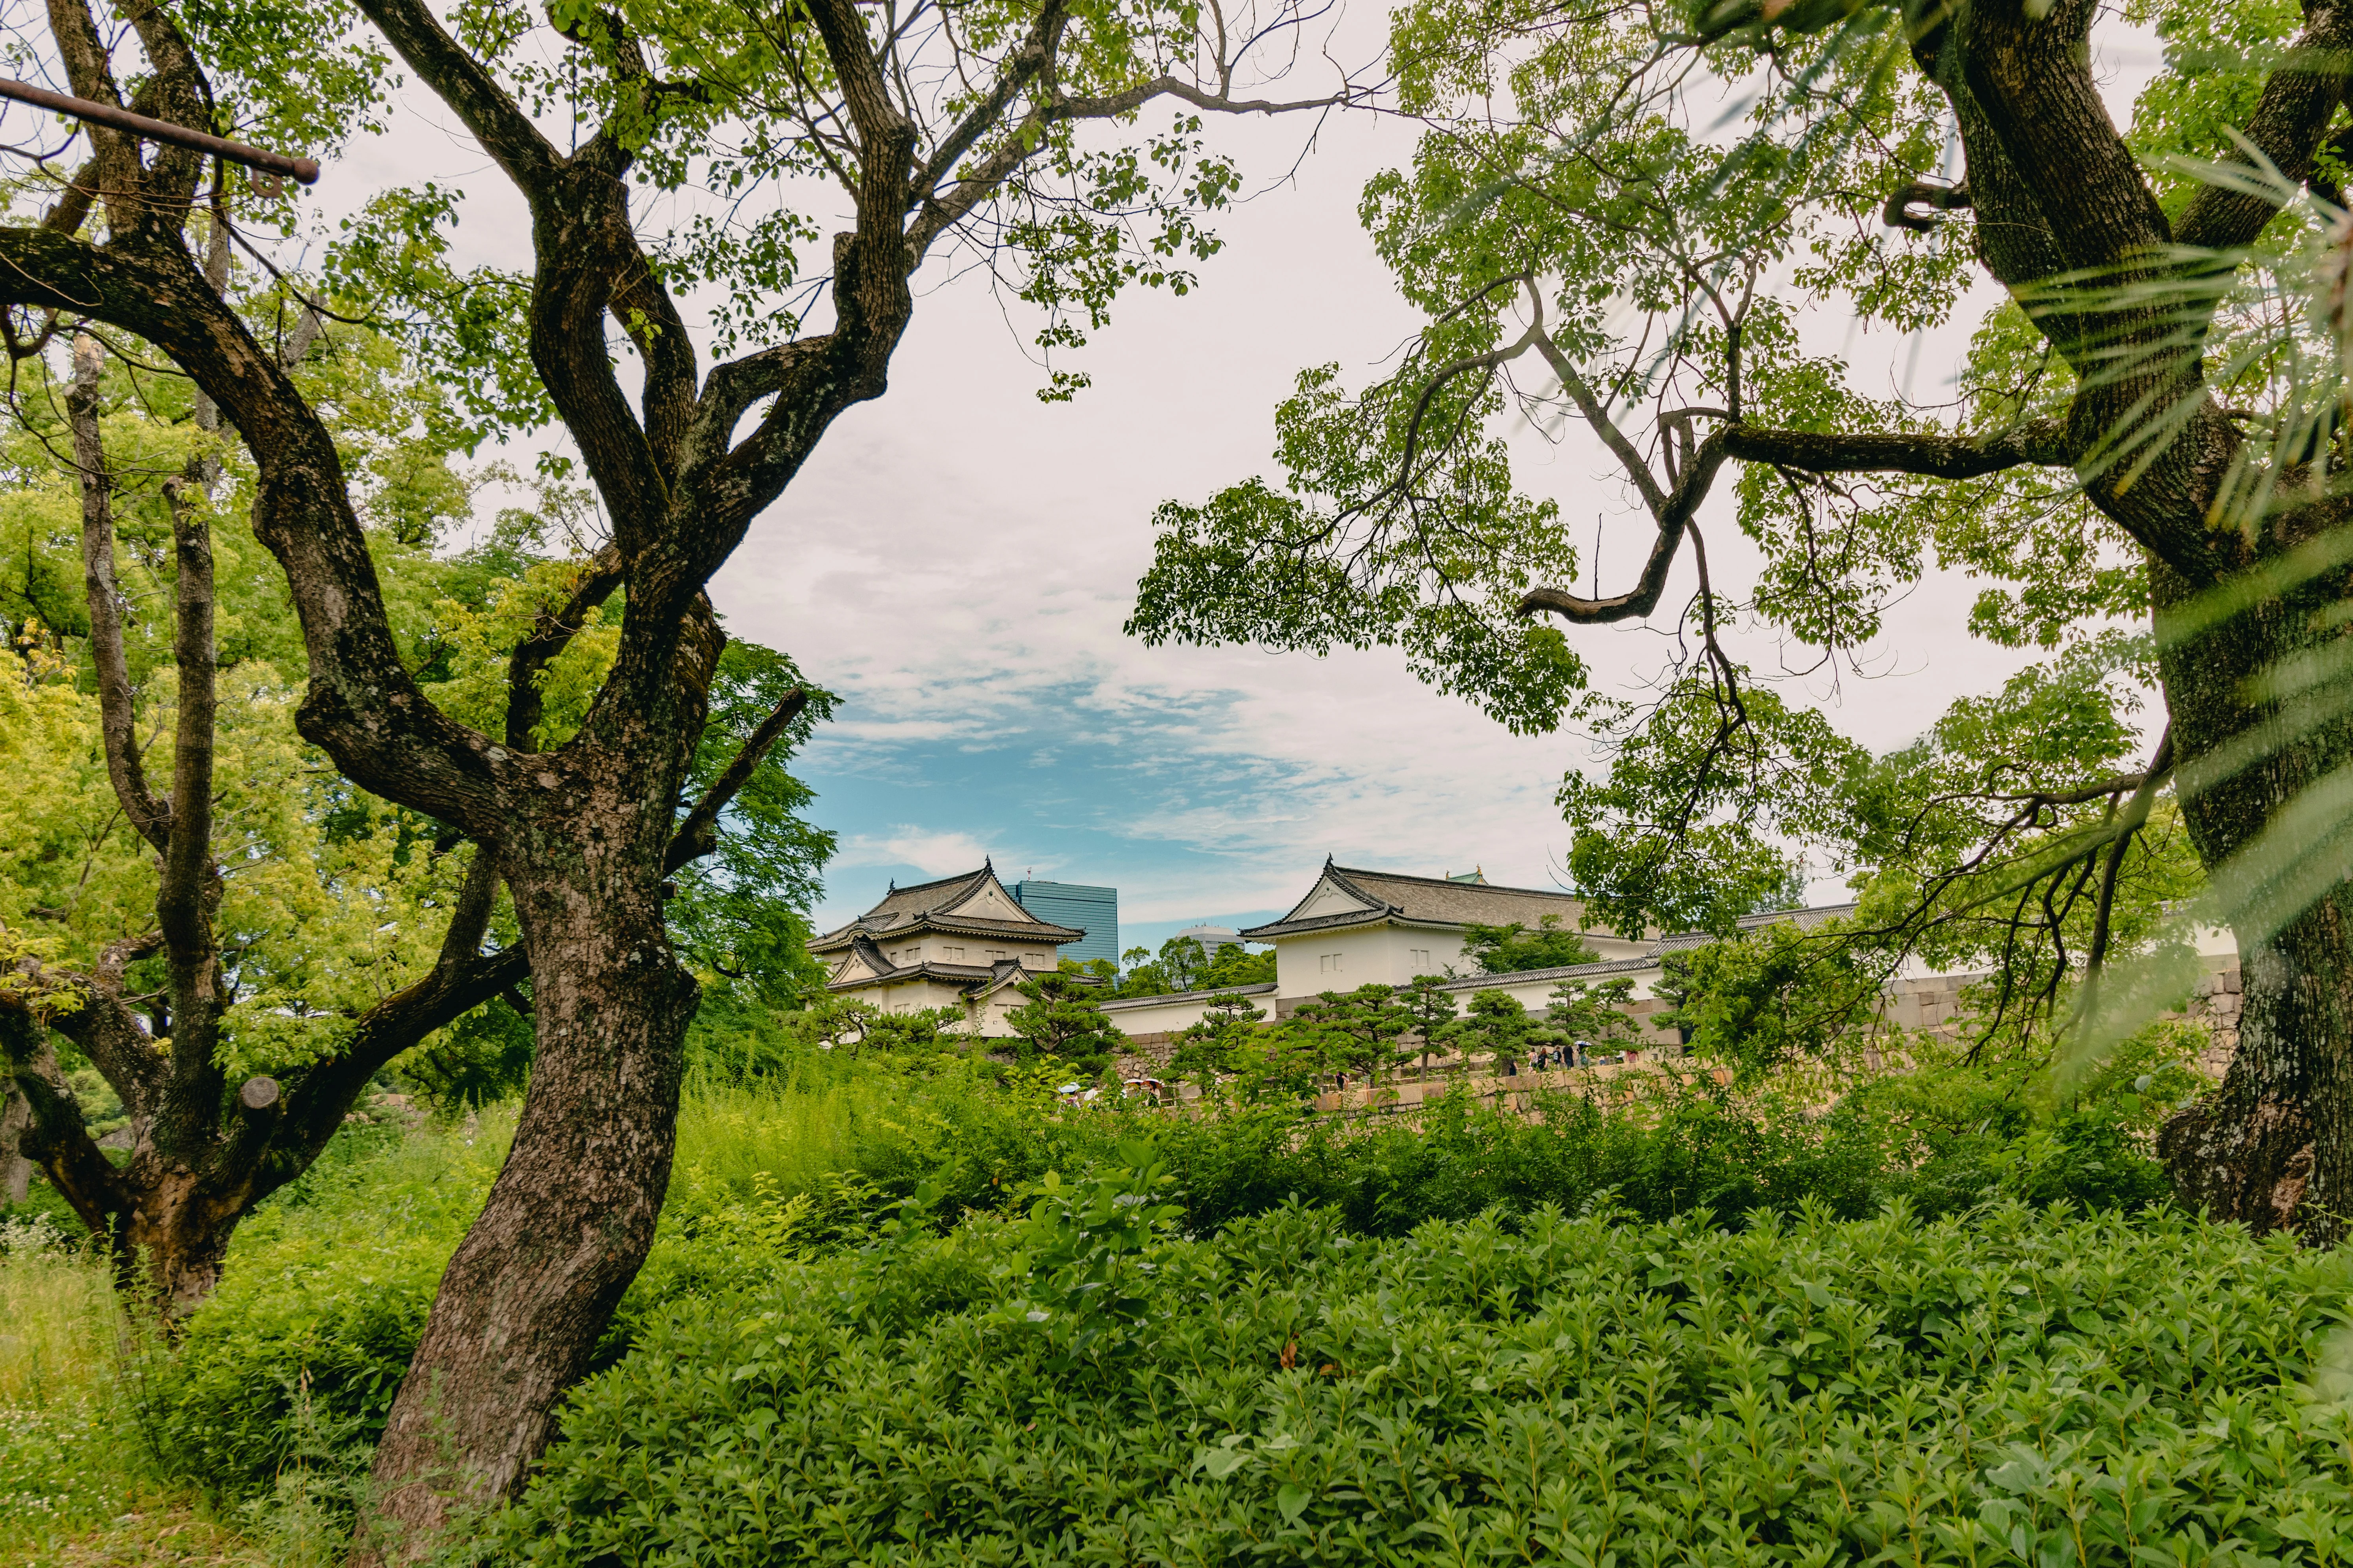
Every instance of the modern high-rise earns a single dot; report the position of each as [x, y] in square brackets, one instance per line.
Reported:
[1094, 910]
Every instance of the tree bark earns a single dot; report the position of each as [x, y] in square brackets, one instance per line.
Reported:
[16, 1171]
[571, 1217]
[2059, 197]
[2271, 1147]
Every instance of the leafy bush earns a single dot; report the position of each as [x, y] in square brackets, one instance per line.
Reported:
[327, 1286]
[320, 1306]
[2019, 1385]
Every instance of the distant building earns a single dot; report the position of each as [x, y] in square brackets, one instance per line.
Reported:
[1209, 939]
[1094, 910]
[962, 942]
[1356, 927]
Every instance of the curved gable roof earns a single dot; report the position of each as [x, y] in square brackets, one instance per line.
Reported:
[1345, 895]
[972, 904]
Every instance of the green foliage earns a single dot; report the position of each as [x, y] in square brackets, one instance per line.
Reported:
[1593, 1014]
[1773, 997]
[1180, 965]
[1218, 1044]
[1063, 1019]
[741, 916]
[1509, 949]
[1088, 1252]
[482, 1060]
[1085, 218]
[1691, 828]
[1496, 1025]
[1282, 1067]
[294, 1361]
[62, 1467]
[1633, 224]
[1352, 1031]
[1632, 249]
[2064, 1389]
[321, 1306]
[1234, 964]
[1430, 1007]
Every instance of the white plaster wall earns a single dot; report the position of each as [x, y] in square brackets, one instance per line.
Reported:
[1153, 1016]
[1367, 954]
[912, 996]
[975, 950]
[1611, 945]
[1386, 954]
[1380, 954]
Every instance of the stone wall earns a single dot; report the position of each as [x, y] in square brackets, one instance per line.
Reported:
[2215, 1005]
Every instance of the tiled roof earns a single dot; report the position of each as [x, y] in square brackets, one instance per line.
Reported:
[1129, 1003]
[1804, 920]
[1428, 901]
[1606, 969]
[904, 911]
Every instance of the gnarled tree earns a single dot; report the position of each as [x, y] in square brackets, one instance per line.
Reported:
[203, 1149]
[1619, 222]
[920, 131]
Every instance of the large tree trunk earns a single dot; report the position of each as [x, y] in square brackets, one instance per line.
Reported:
[2068, 221]
[2273, 1145]
[571, 1217]
[571, 1214]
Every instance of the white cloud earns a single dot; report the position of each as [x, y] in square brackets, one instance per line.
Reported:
[935, 854]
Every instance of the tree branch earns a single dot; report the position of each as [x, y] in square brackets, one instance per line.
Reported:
[697, 835]
[1596, 415]
[460, 80]
[191, 883]
[57, 1139]
[2299, 98]
[362, 705]
[2134, 817]
[1674, 521]
[100, 1022]
[181, 96]
[2041, 442]
[1027, 64]
[2109, 291]
[646, 312]
[945, 211]
[551, 634]
[150, 817]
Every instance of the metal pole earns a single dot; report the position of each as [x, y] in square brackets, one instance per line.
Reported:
[304, 170]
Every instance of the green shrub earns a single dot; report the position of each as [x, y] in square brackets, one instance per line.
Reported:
[320, 1305]
[2020, 1385]
[327, 1286]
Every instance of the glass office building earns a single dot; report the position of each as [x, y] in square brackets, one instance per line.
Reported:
[1094, 910]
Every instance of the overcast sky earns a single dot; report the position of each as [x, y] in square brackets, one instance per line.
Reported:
[957, 559]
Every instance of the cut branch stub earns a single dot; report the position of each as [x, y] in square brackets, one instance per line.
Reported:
[258, 1093]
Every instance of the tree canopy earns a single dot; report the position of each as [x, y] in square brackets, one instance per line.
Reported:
[1627, 226]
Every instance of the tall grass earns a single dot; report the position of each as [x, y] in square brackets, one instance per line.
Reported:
[58, 1319]
[66, 1459]
[824, 1120]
